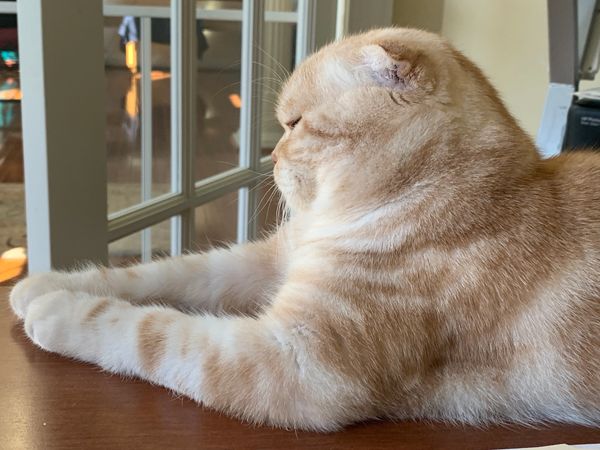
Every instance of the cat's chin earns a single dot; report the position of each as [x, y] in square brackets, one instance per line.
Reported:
[291, 207]
[290, 200]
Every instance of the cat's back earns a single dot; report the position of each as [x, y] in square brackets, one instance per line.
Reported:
[573, 183]
[562, 199]
[576, 188]
[577, 181]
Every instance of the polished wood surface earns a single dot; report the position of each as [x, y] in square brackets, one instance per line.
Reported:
[50, 402]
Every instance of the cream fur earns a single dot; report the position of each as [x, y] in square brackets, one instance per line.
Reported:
[433, 266]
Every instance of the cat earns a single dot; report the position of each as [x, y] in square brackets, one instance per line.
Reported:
[434, 266]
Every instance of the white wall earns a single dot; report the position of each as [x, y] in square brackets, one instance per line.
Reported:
[508, 39]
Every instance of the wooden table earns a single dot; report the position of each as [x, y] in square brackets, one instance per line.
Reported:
[49, 402]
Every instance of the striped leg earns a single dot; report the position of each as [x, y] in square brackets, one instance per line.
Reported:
[239, 279]
[255, 368]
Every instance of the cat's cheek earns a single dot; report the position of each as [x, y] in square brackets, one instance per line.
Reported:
[282, 181]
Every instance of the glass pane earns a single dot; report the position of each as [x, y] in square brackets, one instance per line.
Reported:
[278, 62]
[281, 5]
[218, 97]
[161, 106]
[270, 5]
[125, 122]
[229, 4]
[216, 222]
[128, 250]
[165, 3]
[12, 193]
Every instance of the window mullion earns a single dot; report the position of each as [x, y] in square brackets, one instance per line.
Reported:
[183, 116]
[250, 139]
[146, 128]
[65, 172]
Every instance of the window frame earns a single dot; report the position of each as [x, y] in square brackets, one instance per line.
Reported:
[47, 251]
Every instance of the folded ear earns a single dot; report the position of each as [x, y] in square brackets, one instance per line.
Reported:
[398, 68]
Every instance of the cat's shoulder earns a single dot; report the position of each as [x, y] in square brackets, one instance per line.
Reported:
[583, 162]
[576, 177]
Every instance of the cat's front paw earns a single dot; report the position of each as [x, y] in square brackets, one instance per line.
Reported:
[47, 320]
[32, 287]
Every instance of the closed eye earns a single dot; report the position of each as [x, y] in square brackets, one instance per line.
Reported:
[292, 123]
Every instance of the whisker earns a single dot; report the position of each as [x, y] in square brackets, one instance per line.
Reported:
[286, 72]
[263, 203]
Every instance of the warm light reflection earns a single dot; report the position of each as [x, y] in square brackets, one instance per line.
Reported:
[131, 99]
[11, 94]
[131, 56]
[9, 91]
[15, 253]
[235, 100]
[12, 263]
[155, 75]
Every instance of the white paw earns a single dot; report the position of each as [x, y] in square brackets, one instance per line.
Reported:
[25, 291]
[48, 318]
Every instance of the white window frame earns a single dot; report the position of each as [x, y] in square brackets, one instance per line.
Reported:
[48, 151]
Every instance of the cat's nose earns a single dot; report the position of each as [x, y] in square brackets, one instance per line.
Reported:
[274, 157]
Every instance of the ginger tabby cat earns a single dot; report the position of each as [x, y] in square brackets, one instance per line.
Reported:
[434, 266]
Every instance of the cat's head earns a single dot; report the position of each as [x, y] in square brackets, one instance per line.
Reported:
[372, 114]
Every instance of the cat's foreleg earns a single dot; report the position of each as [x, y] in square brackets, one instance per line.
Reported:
[261, 369]
[237, 279]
